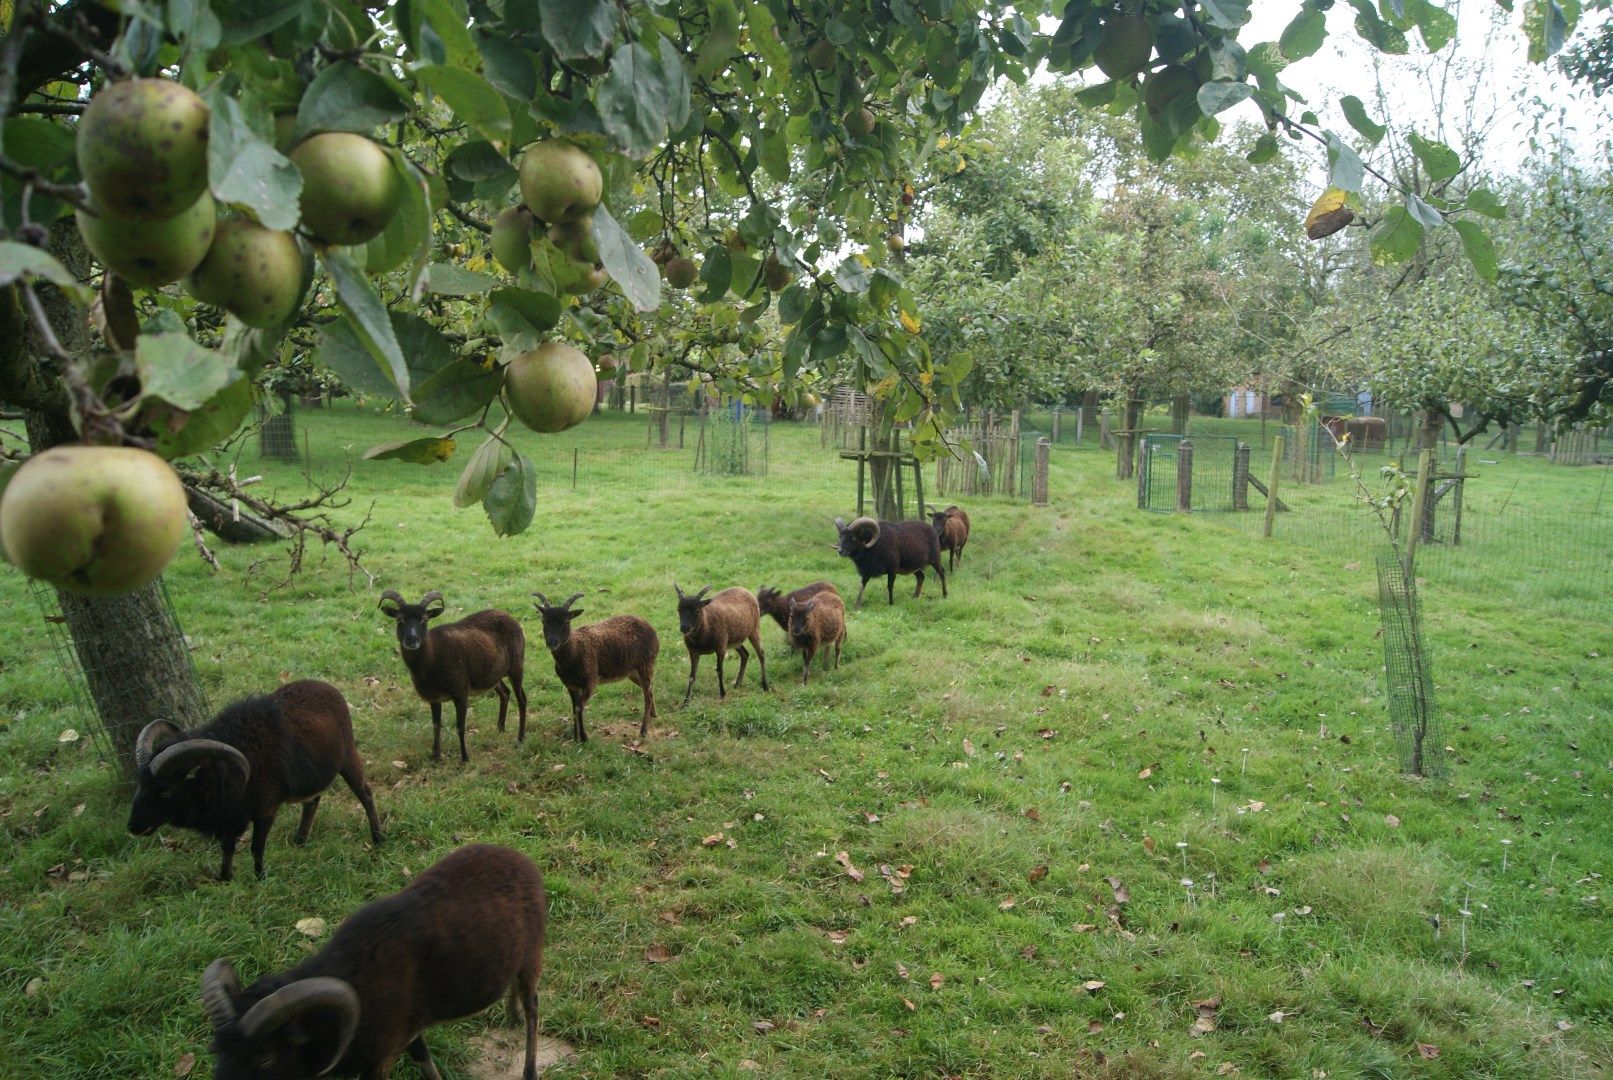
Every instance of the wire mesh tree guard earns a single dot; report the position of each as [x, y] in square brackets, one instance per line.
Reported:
[1419, 737]
[93, 678]
[733, 441]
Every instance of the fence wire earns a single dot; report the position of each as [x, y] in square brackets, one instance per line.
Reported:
[1419, 736]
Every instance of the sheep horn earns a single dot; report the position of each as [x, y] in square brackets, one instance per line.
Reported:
[429, 597]
[543, 601]
[305, 995]
[182, 755]
[677, 590]
[840, 523]
[147, 742]
[702, 592]
[219, 987]
[392, 595]
[573, 599]
[867, 523]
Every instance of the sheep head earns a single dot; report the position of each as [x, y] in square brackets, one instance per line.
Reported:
[690, 608]
[302, 1029]
[411, 618]
[862, 533]
[171, 782]
[798, 616]
[557, 619]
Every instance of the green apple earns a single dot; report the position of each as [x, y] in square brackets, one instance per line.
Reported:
[142, 148]
[349, 189]
[93, 520]
[512, 239]
[560, 181]
[147, 252]
[550, 388]
[253, 273]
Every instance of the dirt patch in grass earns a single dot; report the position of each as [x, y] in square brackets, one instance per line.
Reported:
[501, 1055]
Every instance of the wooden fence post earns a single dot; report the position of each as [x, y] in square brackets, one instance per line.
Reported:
[1184, 476]
[1271, 484]
[1105, 436]
[1039, 479]
[1145, 465]
[1055, 424]
[1419, 504]
[1240, 477]
[1080, 421]
[1123, 455]
[1456, 494]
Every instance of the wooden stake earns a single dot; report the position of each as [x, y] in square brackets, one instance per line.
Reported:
[1271, 484]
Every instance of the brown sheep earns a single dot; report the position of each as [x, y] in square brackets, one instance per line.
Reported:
[776, 605]
[817, 624]
[715, 624]
[952, 530]
[621, 647]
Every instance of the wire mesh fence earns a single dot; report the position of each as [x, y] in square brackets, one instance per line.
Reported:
[1408, 681]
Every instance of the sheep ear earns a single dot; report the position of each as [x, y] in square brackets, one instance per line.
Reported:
[573, 614]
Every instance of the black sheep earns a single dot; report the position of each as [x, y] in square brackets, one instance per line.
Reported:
[257, 755]
[891, 548]
[463, 934]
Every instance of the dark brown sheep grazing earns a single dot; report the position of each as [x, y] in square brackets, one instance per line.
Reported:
[254, 757]
[776, 605]
[459, 661]
[952, 530]
[462, 935]
[621, 647]
[818, 624]
[715, 624]
[891, 548]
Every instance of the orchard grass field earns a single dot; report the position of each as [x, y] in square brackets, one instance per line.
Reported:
[1025, 778]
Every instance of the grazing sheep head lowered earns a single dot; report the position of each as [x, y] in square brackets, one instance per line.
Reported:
[170, 783]
[302, 1029]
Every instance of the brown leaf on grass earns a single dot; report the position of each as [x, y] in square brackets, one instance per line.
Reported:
[1427, 1051]
[1264, 866]
[872, 819]
[968, 748]
[1372, 1029]
[837, 937]
[1049, 690]
[1148, 844]
[1204, 1016]
[1092, 986]
[651, 1022]
[1007, 904]
[1028, 952]
[1145, 774]
[1094, 1026]
[657, 954]
[185, 1064]
[844, 859]
[907, 920]
[936, 979]
[892, 877]
[1085, 927]
[711, 841]
[910, 1006]
[1033, 814]
[1393, 822]
[1226, 1068]
[1122, 894]
[1037, 874]
[1046, 733]
[763, 1026]
[670, 917]
[901, 969]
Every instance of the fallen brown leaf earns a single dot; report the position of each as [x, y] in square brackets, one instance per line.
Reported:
[1427, 1051]
[1145, 774]
[936, 979]
[1092, 986]
[763, 1026]
[1094, 1026]
[901, 969]
[1007, 904]
[185, 1064]
[1037, 874]
[844, 859]
[657, 954]
[910, 1006]
[1394, 823]
[1122, 894]
[1033, 814]
[908, 920]
[711, 841]
[968, 748]
[651, 1022]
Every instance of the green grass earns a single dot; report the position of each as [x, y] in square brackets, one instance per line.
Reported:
[976, 739]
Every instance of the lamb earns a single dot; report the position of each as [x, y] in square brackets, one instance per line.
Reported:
[817, 624]
[952, 529]
[621, 647]
[254, 757]
[891, 548]
[777, 605]
[455, 662]
[715, 624]
[464, 933]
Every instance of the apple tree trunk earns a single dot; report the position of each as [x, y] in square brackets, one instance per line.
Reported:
[129, 647]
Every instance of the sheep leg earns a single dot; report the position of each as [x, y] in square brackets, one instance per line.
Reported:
[260, 840]
[942, 574]
[744, 658]
[226, 868]
[503, 693]
[353, 774]
[526, 991]
[918, 589]
[761, 657]
[890, 587]
[520, 704]
[644, 680]
[306, 825]
[841, 640]
[694, 665]
[436, 731]
[579, 701]
[861, 591]
[807, 652]
[461, 706]
[421, 1055]
[722, 691]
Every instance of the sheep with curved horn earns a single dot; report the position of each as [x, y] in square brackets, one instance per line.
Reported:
[257, 755]
[620, 647]
[463, 934]
[716, 624]
[891, 548]
[479, 654]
